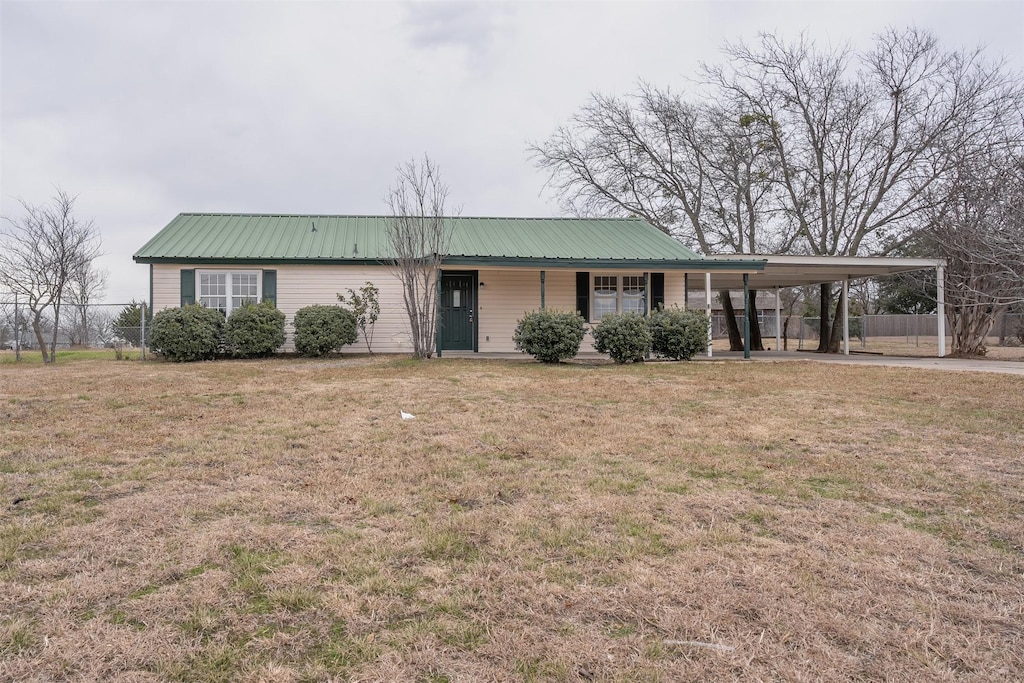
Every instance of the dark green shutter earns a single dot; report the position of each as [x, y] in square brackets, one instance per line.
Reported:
[270, 286]
[188, 286]
[657, 291]
[583, 295]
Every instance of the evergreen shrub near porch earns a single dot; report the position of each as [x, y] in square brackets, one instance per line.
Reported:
[626, 337]
[679, 334]
[550, 336]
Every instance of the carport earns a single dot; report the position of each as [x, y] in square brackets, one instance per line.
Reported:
[799, 271]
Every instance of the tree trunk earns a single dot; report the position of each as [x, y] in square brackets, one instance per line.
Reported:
[735, 337]
[37, 328]
[733, 324]
[756, 343]
[836, 337]
[971, 326]
[823, 322]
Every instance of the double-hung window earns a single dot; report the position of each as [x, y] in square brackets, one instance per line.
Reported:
[606, 294]
[618, 294]
[633, 294]
[227, 291]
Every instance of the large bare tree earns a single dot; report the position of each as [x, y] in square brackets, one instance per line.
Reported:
[702, 173]
[860, 139]
[419, 235]
[809, 150]
[40, 253]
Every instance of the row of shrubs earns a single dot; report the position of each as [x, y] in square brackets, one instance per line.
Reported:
[553, 336]
[193, 332]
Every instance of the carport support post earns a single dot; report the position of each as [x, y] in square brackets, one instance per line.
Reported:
[940, 290]
[778, 321]
[707, 297]
[542, 274]
[746, 316]
[846, 316]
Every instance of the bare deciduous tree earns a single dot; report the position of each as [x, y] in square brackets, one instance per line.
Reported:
[419, 235]
[979, 229]
[40, 253]
[861, 139]
[701, 173]
[86, 287]
[826, 152]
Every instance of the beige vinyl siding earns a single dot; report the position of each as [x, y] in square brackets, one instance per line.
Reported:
[505, 295]
[305, 285]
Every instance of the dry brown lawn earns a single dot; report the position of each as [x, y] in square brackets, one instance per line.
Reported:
[278, 521]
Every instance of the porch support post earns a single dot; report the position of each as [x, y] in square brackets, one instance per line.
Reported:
[686, 290]
[437, 315]
[707, 297]
[846, 316]
[646, 279]
[940, 290]
[778, 320]
[746, 316]
[542, 277]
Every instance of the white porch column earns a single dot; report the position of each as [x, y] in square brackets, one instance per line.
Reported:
[778, 321]
[940, 290]
[707, 298]
[846, 316]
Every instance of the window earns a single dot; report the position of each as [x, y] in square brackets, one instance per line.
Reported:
[606, 290]
[633, 294]
[609, 297]
[243, 289]
[213, 291]
[228, 291]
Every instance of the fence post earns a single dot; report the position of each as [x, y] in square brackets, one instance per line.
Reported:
[142, 334]
[17, 329]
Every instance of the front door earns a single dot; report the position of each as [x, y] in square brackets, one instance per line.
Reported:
[458, 312]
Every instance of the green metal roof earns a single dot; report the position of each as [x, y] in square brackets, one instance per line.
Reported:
[198, 237]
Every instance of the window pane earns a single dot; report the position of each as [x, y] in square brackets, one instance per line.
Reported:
[243, 289]
[632, 294]
[605, 295]
[456, 298]
[213, 291]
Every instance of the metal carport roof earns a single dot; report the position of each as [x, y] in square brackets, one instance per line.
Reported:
[797, 271]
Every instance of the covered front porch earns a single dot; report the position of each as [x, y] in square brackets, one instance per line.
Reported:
[480, 302]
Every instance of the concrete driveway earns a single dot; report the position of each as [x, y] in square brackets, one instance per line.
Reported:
[1006, 367]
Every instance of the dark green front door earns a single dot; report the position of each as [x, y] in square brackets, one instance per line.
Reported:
[458, 311]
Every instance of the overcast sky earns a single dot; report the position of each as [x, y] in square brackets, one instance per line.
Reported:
[148, 109]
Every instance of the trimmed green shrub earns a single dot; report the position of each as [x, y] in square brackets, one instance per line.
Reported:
[188, 333]
[254, 330]
[549, 336]
[322, 329]
[625, 337]
[679, 334]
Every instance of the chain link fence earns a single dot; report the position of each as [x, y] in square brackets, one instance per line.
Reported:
[908, 334]
[114, 329]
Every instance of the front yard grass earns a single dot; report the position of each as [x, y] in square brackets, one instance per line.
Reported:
[278, 521]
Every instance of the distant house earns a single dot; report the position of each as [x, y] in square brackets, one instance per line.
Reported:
[496, 270]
